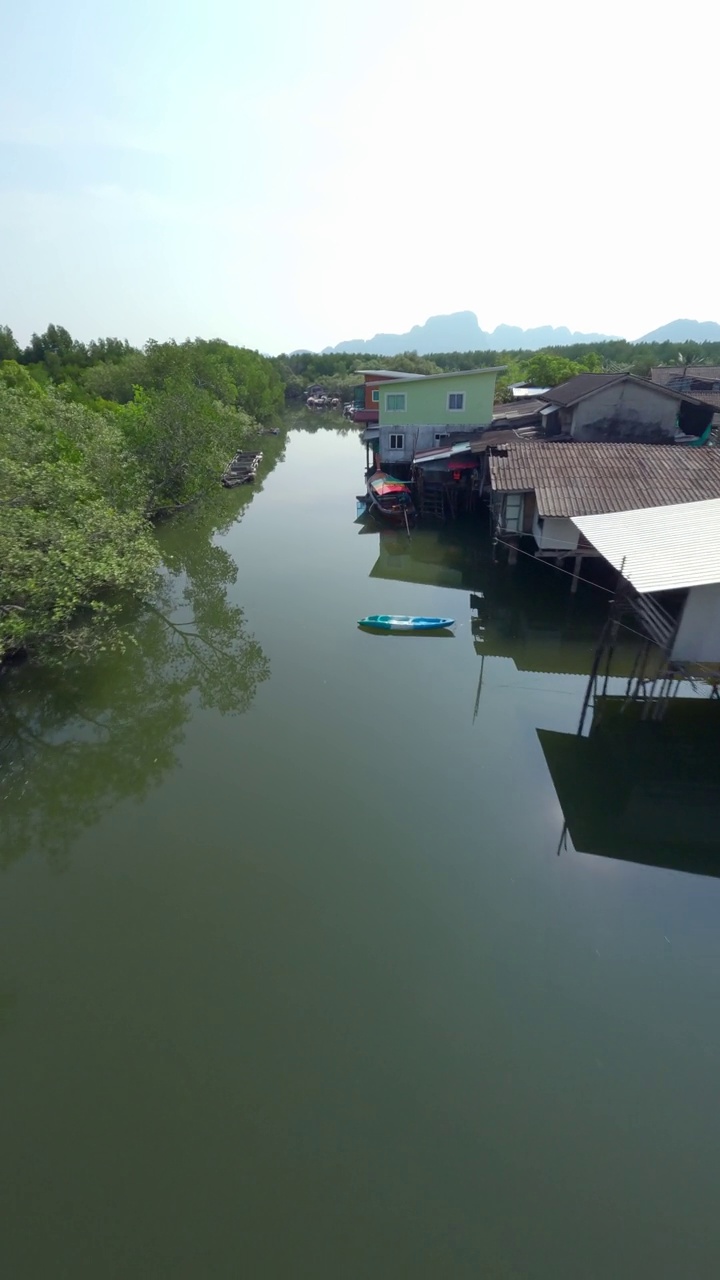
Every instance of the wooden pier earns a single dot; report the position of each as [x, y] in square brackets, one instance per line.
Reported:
[242, 469]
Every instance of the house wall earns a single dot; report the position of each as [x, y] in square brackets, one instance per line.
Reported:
[426, 402]
[698, 636]
[554, 533]
[369, 402]
[625, 411]
[415, 440]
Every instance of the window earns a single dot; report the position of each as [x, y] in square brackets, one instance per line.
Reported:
[514, 512]
[397, 441]
[375, 397]
[456, 401]
[395, 401]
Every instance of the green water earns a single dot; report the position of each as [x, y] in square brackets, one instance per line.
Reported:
[293, 982]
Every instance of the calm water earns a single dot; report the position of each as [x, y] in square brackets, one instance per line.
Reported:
[293, 982]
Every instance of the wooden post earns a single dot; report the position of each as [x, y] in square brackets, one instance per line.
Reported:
[576, 575]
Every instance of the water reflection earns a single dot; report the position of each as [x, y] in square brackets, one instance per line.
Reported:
[74, 741]
[525, 613]
[642, 790]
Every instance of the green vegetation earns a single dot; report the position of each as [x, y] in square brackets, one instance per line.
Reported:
[96, 440]
[540, 368]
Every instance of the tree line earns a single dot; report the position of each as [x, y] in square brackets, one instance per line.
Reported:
[546, 368]
[97, 440]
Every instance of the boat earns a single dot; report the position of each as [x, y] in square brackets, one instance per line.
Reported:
[389, 497]
[404, 622]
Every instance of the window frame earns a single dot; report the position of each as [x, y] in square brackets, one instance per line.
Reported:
[396, 436]
[396, 395]
[455, 408]
[375, 396]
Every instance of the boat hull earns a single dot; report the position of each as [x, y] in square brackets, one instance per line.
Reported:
[389, 498]
[404, 622]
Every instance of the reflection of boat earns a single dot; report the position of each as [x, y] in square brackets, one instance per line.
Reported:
[389, 497]
[404, 622]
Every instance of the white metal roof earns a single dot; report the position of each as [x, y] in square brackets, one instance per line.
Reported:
[660, 548]
[454, 373]
[391, 373]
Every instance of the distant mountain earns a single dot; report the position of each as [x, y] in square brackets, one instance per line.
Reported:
[461, 332]
[684, 331]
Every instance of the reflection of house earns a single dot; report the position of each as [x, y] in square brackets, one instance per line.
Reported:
[426, 411]
[539, 487]
[620, 407]
[660, 552]
[642, 790]
[366, 407]
[527, 618]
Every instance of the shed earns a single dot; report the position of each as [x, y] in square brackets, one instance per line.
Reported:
[615, 407]
[662, 550]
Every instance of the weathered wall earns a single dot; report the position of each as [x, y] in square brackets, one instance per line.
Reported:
[698, 637]
[415, 440]
[626, 411]
[555, 533]
[426, 402]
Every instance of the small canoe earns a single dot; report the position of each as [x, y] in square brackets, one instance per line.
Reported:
[404, 622]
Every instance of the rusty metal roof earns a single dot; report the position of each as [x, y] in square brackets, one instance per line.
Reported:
[664, 374]
[578, 479]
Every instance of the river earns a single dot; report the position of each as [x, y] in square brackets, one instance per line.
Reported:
[301, 974]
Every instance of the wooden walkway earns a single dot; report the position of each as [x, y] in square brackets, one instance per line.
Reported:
[241, 470]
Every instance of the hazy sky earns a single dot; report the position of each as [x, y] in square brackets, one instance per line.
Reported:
[289, 174]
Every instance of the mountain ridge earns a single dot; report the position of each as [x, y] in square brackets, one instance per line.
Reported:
[461, 331]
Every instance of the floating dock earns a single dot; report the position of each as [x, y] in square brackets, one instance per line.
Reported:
[242, 469]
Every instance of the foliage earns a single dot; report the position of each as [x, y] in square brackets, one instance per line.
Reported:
[181, 438]
[116, 379]
[14, 375]
[303, 368]
[235, 376]
[72, 529]
[9, 349]
[95, 438]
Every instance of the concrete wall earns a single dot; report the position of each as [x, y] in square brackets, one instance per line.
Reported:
[415, 440]
[426, 403]
[555, 533]
[698, 637]
[626, 411]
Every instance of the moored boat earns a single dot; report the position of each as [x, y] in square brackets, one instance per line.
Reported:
[404, 622]
[389, 497]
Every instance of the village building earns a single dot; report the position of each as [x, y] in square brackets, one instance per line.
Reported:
[616, 407]
[669, 560]
[701, 381]
[537, 488]
[366, 396]
[427, 410]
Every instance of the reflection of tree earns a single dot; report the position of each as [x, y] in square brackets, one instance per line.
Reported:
[75, 741]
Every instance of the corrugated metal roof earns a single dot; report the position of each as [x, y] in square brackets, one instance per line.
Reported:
[392, 373]
[451, 373]
[587, 384]
[663, 374]
[579, 479]
[660, 548]
[583, 384]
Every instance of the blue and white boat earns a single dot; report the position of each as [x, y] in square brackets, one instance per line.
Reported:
[404, 622]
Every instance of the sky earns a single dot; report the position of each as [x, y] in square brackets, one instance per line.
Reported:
[289, 175]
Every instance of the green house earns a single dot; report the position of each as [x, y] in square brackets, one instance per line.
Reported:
[423, 411]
